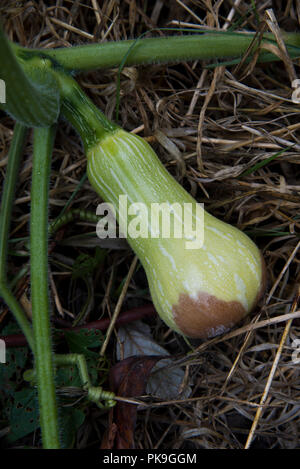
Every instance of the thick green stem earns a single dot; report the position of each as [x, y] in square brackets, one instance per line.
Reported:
[13, 164]
[78, 109]
[44, 362]
[209, 45]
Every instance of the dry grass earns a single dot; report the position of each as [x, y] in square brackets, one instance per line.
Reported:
[209, 126]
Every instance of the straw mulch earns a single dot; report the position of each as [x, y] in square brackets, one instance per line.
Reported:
[210, 127]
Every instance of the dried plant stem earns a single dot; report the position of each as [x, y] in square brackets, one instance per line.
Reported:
[282, 273]
[268, 385]
[279, 351]
[250, 327]
[118, 306]
[217, 73]
[271, 376]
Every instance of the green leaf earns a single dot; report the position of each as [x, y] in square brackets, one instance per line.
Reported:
[32, 93]
[85, 264]
[67, 376]
[24, 416]
[71, 419]
[81, 341]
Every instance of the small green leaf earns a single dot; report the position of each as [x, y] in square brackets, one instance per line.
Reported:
[85, 264]
[67, 376]
[81, 341]
[70, 419]
[24, 416]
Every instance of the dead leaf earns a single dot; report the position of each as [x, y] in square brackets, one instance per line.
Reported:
[165, 381]
[128, 378]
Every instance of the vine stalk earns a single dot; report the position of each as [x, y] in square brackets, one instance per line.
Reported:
[44, 361]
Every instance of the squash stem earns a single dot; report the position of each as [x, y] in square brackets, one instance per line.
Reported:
[203, 46]
[10, 183]
[44, 362]
[80, 111]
